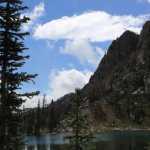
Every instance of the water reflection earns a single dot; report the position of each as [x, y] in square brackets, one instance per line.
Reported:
[122, 145]
[105, 141]
[112, 145]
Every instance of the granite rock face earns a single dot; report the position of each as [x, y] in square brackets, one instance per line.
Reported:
[118, 92]
[117, 56]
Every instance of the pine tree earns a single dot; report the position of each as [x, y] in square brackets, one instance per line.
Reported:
[38, 119]
[11, 59]
[78, 121]
[43, 113]
[44, 103]
[51, 117]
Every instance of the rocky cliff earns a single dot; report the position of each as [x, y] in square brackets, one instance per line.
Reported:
[120, 87]
[118, 92]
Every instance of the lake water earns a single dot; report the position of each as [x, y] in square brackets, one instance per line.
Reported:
[114, 140]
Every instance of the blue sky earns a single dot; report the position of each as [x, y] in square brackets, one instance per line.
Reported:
[69, 38]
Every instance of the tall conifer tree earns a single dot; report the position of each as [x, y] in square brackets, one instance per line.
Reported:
[11, 79]
[38, 120]
[52, 121]
[82, 135]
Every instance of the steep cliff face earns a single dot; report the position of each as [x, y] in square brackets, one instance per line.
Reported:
[132, 77]
[118, 94]
[117, 57]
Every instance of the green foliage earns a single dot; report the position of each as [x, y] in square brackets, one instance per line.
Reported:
[37, 120]
[78, 122]
[52, 118]
[11, 59]
[40, 119]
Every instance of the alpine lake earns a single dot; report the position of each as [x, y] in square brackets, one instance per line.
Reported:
[110, 140]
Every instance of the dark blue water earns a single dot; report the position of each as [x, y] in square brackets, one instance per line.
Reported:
[114, 140]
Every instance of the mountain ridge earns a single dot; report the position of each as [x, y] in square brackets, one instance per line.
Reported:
[122, 78]
[117, 95]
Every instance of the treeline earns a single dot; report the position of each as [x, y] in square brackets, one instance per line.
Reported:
[45, 118]
[41, 119]
[116, 111]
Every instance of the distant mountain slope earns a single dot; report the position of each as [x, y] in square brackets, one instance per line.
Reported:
[118, 94]
[117, 57]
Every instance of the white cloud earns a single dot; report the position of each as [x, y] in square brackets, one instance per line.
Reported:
[66, 81]
[34, 15]
[83, 50]
[33, 102]
[148, 1]
[79, 31]
[94, 26]
[60, 83]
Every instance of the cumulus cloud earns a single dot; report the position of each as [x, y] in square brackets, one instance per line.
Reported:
[33, 102]
[148, 1]
[95, 26]
[60, 83]
[83, 50]
[34, 15]
[80, 31]
[65, 81]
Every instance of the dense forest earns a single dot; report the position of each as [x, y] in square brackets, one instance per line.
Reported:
[40, 119]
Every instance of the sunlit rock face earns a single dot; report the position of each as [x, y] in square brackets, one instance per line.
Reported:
[118, 92]
[125, 67]
[114, 61]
